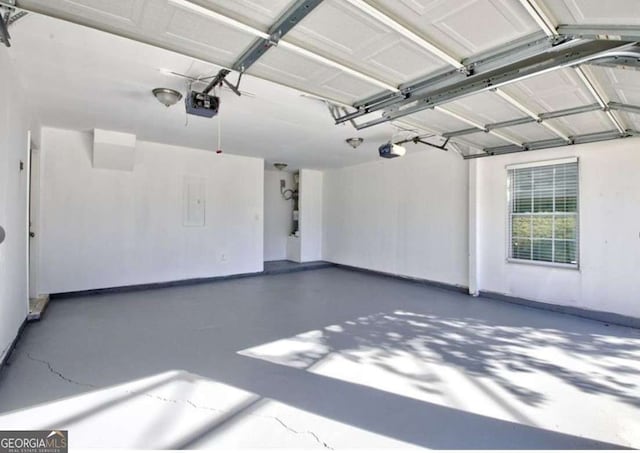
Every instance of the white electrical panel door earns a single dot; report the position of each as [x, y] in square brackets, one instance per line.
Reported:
[193, 214]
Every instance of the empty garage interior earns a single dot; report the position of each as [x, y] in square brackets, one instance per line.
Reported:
[352, 224]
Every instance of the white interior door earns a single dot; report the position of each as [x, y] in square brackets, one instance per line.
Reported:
[33, 197]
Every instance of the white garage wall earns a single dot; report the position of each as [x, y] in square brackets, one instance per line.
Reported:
[14, 125]
[311, 187]
[608, 279]
[406, 216]
[105, 228]
[278, 215]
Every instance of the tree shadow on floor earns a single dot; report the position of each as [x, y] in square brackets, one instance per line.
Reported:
[481, 350]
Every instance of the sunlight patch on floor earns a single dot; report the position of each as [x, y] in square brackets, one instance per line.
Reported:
[545, 378]
[177, 409]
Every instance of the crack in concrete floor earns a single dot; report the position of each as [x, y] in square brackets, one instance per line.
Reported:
[57, 373]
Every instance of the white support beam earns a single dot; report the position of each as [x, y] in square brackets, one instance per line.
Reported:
[541, 18]
[517, 104]
[187, 4]
[461, 118]
[614, 119]
[555, 130]
[505, 138]
[591, 87]
[524, 109]
[599, 97]
[202, 11]
[328, 62]
[404, 31]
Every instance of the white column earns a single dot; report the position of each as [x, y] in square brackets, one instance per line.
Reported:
[310, 206]
[473, 227]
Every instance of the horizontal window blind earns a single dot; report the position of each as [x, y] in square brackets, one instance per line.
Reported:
[543, 213]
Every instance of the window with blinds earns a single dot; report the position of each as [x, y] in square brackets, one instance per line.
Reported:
[543, 213]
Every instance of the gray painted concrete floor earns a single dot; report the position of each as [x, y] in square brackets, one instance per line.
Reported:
[329, 358]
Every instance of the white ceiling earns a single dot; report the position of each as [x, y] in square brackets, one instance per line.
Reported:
[82, 78]
[71, 85]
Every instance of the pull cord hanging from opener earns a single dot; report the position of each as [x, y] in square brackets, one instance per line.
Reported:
[219, 150]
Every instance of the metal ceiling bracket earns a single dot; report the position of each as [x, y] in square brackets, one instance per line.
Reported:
[602, 32]
[481, 64]
[528, 119]
[289, 19]
[471, 130]
[524, 109]
[16, 17]
[571, 111]
[420, 139]
[624, 62]
[294, 14]
[544, 144]
[513, 73]
[624, 107]
[5, 38]
[511, 123]
[556, 58]
[548, 26]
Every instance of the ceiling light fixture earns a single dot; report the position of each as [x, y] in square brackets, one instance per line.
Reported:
[167, 96]
[354, 142]
[280, 165]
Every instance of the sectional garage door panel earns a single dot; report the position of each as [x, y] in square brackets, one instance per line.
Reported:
[556, 90]
[348, 51]
[594, 11]
[464, 28]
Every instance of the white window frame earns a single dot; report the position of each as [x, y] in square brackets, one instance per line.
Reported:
[509, 238]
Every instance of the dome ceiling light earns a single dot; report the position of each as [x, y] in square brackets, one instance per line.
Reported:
[167, 96]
